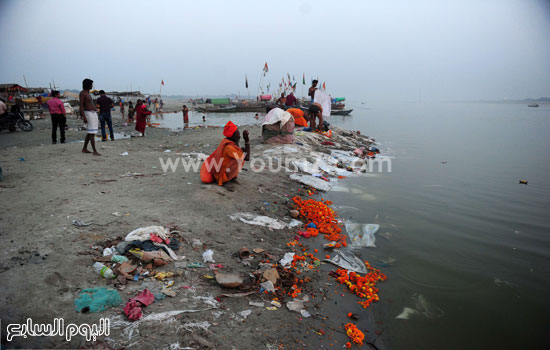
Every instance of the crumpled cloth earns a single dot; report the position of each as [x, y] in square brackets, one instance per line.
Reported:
[144, 233]
[96, 299]
[132, 309]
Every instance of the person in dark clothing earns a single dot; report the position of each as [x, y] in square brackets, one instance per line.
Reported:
[105, 105]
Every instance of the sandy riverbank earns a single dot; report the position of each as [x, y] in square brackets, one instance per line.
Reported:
[46, 260]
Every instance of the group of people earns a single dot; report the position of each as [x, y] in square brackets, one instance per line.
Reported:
[88, 113]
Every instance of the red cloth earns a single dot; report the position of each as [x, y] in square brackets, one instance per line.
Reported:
[141, 118]
[132, 309]
[229, 129]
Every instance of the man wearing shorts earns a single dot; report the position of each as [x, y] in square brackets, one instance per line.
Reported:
[89, 115]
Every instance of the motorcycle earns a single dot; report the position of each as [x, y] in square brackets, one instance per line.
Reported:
[12, 120]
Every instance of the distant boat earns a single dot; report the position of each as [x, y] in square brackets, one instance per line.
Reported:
[533, 105]
[219, 109]
[341, 112]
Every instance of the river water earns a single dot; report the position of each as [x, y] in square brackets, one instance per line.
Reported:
[462, 242]
[466, 248]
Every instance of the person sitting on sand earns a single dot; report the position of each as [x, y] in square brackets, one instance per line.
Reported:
[315, 110]
[290, 100]
[88, 113]
[282, 100]
[225, 163]
[141, 117]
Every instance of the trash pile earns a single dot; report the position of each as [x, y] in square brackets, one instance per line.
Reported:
[319, 163]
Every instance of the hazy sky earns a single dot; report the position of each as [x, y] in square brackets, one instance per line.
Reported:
[367, 50]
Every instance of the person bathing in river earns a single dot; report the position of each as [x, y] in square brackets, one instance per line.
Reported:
[185, 112]
[225, 163]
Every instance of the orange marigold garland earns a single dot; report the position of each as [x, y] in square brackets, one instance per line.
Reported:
[363, 287]
[324, 218]
[354, 333]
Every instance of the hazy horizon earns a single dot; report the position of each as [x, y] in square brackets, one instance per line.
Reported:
[372, 51]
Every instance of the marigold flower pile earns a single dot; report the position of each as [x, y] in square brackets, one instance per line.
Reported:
[354, 333]
[319, 213]
[363, 287]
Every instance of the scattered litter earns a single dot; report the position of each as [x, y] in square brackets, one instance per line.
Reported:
[244, 314]
[237, 295]
[271, 275]
[244, 253]
[305, 313]
[168, 291]
[109, 251]
[119, 258]
[268, 285]
[287, 259]
[96, 299]
[133, 307]
[258, 250]
[294, 223]
[271, 308]
[124, 154]
[103, 270]
[189, 326]
[167, 151]
[362, 235]
[348, 261]
[229, 280]
[208, 256]
[260, 220]
[312, 181]
[254, 303]
[523, 182]
[195, 265]
[276, 303]
[80, 223]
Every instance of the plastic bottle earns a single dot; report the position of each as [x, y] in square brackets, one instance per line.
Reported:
[103, 270]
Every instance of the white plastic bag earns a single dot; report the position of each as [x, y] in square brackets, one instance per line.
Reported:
[362, 235]
[208, 256]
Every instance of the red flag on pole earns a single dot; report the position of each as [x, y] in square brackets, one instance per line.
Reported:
[266, 69]
[324, 87]
[162, 82]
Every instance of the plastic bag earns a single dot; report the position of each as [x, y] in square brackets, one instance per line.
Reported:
[362, 235]
[97, 299]
[348, 261]
[208, 256]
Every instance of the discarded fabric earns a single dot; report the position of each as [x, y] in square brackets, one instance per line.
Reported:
[96, 299]
[260, 220]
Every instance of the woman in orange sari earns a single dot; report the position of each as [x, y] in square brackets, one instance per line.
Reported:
[225, 163]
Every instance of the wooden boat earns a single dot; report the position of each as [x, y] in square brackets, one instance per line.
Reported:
[341, 112]
[213, 109]
[533, 105]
